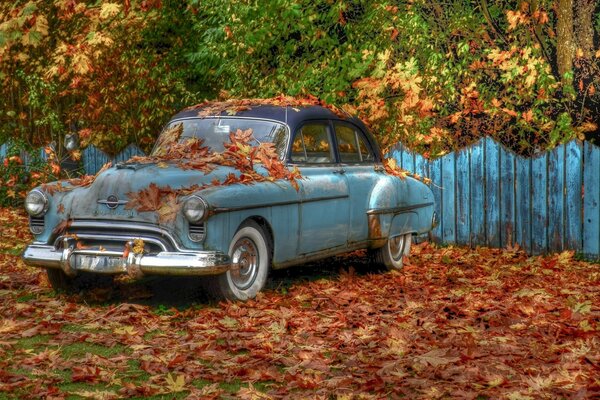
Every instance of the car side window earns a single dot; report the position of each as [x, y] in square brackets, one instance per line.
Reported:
[312, 145]
[352, 145]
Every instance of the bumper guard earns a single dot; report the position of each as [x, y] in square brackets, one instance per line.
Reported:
[72, 260]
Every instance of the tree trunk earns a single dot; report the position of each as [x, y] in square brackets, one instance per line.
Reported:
[565, 46]
[584, 29]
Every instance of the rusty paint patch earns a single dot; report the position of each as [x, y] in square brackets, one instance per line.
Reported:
[374, 227]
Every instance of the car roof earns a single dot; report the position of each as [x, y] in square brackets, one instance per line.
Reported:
[292, 115]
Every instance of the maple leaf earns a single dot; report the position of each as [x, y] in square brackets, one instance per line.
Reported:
[109, 10]
[148, 199]
[175, 385]
[169, 207]
[437, 357]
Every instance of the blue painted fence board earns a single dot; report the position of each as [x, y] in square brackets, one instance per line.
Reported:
[539, 228]
[573, 195]
[476, 183]
[591, 200]
[523, 201]
[463, 198]
[492, 193]
[408, 161]
[507, 198]
[421, 166]
[556, 200]
[93, 160]
[448, 198]
[486, 194]
[435, 169]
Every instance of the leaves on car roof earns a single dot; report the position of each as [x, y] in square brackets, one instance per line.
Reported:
[234, 106]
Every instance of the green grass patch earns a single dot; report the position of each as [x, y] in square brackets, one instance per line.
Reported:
[33, 342]
[26, 297]
[81, 349]
[79, 328]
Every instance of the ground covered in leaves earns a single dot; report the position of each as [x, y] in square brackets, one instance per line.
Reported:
[456, 323]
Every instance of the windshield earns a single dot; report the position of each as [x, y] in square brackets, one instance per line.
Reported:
[215, 131]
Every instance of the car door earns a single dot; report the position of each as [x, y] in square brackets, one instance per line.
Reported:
[357, 159]
[325, 206]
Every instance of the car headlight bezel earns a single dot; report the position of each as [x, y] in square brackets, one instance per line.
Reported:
[40, 206]
[195, 209]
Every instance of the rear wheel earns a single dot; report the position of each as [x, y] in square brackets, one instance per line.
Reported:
[391, 255]
[251, 254]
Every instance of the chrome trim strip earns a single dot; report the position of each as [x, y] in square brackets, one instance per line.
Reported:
[216, 210]
[397, 210]
[118, 238]
[117, 202]
[138, 226]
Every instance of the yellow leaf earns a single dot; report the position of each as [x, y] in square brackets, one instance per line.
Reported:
[81, 64]
[391, 162]
[168, 209]
[109, 10]
[126, 330]
[175, 385]
[138, 246]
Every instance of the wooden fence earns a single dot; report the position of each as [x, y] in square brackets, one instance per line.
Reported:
[487, 195]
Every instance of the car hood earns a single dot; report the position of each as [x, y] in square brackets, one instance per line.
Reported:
[116, 185]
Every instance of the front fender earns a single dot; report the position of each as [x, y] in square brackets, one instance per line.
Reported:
[276, 203]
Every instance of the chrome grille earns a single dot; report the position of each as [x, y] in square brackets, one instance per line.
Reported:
[197, 232]
[116, 234]
[36, 225]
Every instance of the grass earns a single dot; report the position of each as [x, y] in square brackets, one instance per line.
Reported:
[77, 350]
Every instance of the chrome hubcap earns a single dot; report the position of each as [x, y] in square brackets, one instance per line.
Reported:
[245, 259]
[397, 247]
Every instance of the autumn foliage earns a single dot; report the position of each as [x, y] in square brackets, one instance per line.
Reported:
[432, 75]
[455, 323]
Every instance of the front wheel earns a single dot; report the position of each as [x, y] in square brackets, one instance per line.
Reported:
[391, 255]
[251, 255]
[60, 281]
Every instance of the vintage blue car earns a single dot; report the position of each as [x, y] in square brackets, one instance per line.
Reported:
[233, 233]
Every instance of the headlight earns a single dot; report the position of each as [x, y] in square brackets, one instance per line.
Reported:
[36, 203]
[195, 209]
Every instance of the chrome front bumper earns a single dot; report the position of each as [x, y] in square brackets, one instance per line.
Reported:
[72, 260]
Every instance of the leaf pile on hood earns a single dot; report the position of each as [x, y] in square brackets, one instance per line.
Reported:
[239, 153]
[66, 185]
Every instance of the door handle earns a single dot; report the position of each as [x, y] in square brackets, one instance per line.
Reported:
[340, 171]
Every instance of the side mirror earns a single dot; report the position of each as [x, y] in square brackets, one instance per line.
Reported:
[71, 142]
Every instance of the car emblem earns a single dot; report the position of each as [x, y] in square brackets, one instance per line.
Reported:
[112, 202]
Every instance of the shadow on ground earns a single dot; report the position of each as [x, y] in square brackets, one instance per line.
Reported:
[164, 293]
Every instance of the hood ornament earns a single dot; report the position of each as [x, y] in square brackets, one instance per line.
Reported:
[112, 202]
